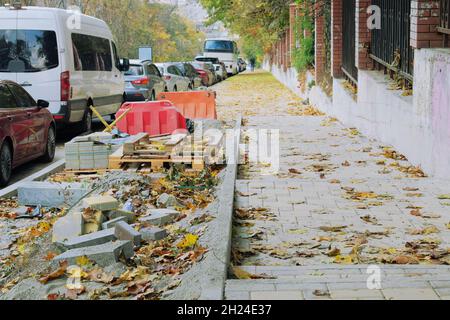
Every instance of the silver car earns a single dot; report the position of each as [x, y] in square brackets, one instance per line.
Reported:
[143, 81]
[174, 77]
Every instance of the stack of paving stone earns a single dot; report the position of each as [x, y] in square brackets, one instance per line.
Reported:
[103, 233]
[89, 152]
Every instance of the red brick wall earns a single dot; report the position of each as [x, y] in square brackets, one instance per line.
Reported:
[363, 35]
[320, 54]
[424, 20]
[336, 36]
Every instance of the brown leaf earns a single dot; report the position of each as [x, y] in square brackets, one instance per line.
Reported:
[73, 294]
[61, 271]
[405, 260]
[294, 171]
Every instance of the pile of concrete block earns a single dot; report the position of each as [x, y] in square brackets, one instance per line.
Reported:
[89, 152]
[106, 234]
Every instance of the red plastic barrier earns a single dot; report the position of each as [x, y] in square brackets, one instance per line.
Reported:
[154, 118]
[193, 104]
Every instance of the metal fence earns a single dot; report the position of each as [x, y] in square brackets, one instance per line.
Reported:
[390, 45]
[348, 40]
[444, 25]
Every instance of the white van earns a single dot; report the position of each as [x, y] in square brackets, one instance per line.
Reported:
[64, 57]
[225, 50]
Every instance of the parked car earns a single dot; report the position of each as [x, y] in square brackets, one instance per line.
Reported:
[143, 81]
[175, 80]
[221, 70]
[209, 65]
[242, 65]
[206, 75]
[190, 72]
[27, 129]
[69, 67]
[216, 64]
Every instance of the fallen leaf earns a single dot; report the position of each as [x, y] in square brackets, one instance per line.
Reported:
[61, 271]
[189, 241]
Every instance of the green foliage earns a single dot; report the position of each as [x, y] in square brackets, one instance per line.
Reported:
[136, 23]
[259, 22]
[303, 57]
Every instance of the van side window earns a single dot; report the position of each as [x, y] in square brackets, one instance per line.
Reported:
[91, 53]
[115, 56]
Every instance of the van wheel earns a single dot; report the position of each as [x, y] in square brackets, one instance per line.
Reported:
[50, 147]
[86, 124]
[5, 164]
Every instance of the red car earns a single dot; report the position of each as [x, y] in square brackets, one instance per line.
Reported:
[27, 129]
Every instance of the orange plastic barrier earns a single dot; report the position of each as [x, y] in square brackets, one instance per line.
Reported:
[193, 104]
[154, 118]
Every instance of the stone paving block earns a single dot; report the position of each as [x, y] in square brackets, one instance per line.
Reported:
[354, 294]
[104, 254]
[50, 194]
[68, 227]
[123, 231]
[410, 294]
[113, 214]
[160, 217]
[112, 223]
[153, 234]
[102, 203]
[276, 295]
[237, 295]
[89, 240]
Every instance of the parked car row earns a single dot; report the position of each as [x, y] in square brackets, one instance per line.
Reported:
[51, 73]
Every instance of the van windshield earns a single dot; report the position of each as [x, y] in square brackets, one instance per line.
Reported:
[28, 50]
[219, 46]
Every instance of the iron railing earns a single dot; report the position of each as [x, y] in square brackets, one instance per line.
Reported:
[348, 40]
[444, 25]
[390, 44]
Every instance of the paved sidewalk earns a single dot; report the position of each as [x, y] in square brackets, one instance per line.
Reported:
[339, 203]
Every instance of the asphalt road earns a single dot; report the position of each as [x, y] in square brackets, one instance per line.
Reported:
[63, 136]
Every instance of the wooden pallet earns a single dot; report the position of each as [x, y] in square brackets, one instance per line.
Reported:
[160, 151]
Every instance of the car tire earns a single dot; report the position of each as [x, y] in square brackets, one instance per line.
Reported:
[50, 146]
[86, 123]
[5, 164]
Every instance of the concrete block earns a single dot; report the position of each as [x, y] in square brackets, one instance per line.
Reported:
[112, 223]
[123, 231]
[113, 214]
[102, 203]
[91, 227]
[153, 234]
[51, 194]
[104, 254]
[68, 227]
[160, 217]
[88, 240]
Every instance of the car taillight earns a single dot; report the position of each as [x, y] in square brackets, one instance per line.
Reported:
[65, 86]
[167, 77]
[142, 81]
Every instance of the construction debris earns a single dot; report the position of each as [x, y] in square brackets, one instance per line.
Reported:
[50, 194]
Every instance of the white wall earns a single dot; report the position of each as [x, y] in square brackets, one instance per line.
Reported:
[417, 126]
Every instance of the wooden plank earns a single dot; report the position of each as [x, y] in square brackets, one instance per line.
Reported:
[130, 145]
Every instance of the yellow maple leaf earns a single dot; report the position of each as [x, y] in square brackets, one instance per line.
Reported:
[189, 241]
